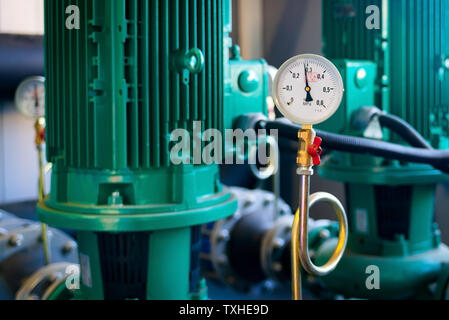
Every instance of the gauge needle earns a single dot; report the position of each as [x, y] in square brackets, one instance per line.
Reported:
[308, 89]
[36, 97]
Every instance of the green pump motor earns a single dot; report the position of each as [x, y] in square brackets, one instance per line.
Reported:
[133, 72]
[402, 68]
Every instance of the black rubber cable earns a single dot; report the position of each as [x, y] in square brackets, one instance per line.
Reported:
[408, 133]
[404, 130]
[437, 158]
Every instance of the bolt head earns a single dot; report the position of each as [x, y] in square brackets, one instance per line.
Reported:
[276, 267]
[223, 235]
[361, 78]
[278, 243]
[325, 234]
[15, 240]
[69, 246]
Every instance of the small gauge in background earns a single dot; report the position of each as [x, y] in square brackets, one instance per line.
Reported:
[30, 97]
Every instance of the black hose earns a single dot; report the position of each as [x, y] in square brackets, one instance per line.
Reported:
[404, 130]
[408, 133]
[437, 158]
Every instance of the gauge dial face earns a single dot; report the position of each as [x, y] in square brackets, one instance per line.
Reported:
[30, 97]
[308, 89]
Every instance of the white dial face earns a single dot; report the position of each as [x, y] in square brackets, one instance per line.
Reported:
[308, 89]
[30, 97]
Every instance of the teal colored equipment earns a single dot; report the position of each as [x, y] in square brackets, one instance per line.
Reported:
[403, 69]
[117, 87]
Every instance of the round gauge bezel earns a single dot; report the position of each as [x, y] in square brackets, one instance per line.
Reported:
[295, 118]
[21, 89]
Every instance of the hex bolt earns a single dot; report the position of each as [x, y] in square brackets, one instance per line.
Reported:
[325, 234]
[278, 243]
[115, 199]
[68, 247]
[276, 267]
[15, 240]
[361, 78]
[235, 52]
[223, 235]
[247, 204]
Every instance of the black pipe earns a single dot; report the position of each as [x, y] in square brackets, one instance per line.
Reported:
[437, 158]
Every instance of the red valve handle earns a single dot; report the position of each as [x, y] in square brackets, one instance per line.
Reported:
[42, 134]
[315, 150]
[39, 139]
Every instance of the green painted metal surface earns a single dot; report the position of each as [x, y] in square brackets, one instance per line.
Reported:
[90, 266]
[409, 49]
[390, 205]
[359, 92]
[391, 221]
[116, 88]
[401, 277]
[169, 255]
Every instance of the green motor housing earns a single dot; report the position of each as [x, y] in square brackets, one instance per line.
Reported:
[116, 88]
[400, 68]
[410, 49]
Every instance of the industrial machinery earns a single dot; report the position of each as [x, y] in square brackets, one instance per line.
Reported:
[401, 69]
[151, 223]
[116, 89]
[396, 82]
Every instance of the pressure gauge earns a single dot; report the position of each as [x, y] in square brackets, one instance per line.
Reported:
[30, 97]
[308, 89]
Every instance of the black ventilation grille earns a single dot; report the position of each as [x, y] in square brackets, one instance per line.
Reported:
[124, 261]
[195, 273]
[393, 206]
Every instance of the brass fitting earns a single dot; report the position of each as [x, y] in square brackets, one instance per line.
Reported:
[309, 152]
[306, 136]
[39, 127]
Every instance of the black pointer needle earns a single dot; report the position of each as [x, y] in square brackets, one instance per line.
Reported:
[36, 97]
[308, 89]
